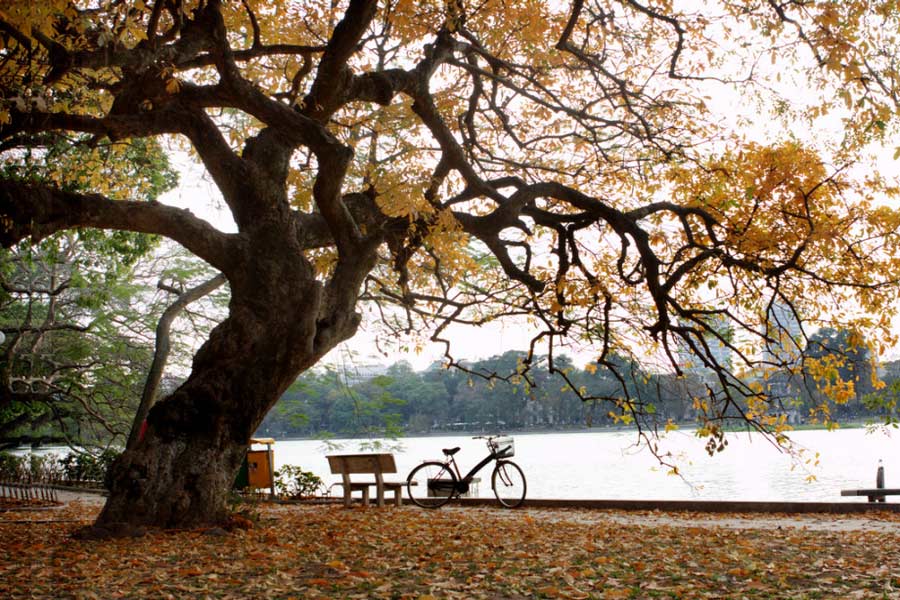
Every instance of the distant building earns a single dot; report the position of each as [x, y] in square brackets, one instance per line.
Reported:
[718, 338]
[356, 373]
[785, 336]
[889, 371]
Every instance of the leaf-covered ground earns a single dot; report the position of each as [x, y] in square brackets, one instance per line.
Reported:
[331, 552]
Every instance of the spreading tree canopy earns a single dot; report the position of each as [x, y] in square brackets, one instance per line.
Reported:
[650, 177]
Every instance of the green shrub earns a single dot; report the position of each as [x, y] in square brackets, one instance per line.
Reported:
[294, 482]
[30, 467]
[82, 466]
[11, 466]
[75, 467]
[44, 467]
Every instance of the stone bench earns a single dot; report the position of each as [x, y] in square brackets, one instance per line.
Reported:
[377, 465]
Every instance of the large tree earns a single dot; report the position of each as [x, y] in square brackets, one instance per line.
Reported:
[466, 161]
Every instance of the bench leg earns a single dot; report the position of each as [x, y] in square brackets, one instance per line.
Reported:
[365, 492]
[398, 496]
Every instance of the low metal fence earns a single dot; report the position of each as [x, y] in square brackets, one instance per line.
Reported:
[27, 492]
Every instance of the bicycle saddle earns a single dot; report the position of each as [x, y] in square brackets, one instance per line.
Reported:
[451, 451]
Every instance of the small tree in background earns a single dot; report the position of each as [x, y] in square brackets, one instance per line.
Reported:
[73, 308]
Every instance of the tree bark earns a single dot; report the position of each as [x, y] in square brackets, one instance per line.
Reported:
[181, 471]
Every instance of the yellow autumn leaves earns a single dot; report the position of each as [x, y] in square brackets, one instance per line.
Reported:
[783, 207]
[760, 191]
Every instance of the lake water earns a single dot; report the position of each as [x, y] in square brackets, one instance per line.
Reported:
[606, 464]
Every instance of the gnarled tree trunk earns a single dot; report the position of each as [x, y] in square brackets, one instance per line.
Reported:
[180, 472]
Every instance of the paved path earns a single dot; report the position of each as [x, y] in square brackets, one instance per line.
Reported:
[89, 498]
[876, 521]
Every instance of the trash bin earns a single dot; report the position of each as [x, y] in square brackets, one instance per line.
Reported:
[258, 469]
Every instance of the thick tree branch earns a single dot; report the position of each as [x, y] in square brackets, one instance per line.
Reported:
[195, 37]
[334, 77]
[36, 211]
[116, 127]
[227, 169]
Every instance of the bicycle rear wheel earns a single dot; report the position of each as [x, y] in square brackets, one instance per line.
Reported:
[431, 484]
[508, 483]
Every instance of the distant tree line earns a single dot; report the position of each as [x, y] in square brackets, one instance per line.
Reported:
[435, 399]
[401, 400]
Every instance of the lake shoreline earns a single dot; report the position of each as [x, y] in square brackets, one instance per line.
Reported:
[686, 428]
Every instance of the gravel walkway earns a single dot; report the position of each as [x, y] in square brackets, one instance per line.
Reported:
[89, 498]
[883, 522]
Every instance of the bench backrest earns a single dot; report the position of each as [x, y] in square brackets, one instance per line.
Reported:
[362, 463]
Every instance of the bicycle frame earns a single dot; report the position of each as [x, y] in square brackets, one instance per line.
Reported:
[474, 470]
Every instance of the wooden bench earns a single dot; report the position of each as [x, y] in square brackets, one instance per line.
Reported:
[370, 464]
[874, 494]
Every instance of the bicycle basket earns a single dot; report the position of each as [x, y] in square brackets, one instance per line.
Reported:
[504, 447]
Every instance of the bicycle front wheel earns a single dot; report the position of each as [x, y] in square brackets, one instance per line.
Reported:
[431, 484]
[508, 483]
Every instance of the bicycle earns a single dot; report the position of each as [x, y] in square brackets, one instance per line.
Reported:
[434, 483]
